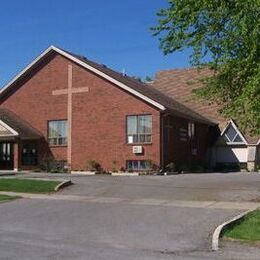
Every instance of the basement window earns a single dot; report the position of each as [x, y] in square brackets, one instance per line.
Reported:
[138, 165]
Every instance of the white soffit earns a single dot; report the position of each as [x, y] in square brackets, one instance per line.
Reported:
[6, 130]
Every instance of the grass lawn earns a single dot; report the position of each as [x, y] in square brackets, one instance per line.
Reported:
[247, 229]
[4, 198]
[29, 186]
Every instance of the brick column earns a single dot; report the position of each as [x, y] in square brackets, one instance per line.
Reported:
[16, 152]
[251, 158]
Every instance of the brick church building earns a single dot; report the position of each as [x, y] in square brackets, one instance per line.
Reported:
[73, 110]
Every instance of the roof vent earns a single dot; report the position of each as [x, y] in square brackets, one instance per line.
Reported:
[83, 57]
[124, 72]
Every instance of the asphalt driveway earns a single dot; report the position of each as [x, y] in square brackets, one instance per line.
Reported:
[220, 187]
[195, 187]
[104, 217]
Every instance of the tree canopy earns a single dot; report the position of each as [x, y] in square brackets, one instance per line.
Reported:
[226, 34]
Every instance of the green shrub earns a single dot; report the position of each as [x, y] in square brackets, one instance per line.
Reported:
[114, 167]
[49, 164]
[122, 169]
[197, 166]
[171, 167]
[226, 167]
[152, 167]
[37, 170]
[94, 166]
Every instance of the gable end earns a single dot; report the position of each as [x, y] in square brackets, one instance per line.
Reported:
[85, 65]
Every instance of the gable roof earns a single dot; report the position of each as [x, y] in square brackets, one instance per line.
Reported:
[6, 130]
[141, 90]
[179, 84]
[18, 126]
[231, 124]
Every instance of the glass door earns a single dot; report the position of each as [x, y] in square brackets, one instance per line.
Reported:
[6, 156]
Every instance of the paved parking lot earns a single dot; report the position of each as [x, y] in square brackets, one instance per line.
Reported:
[197, 187]
[101, 217]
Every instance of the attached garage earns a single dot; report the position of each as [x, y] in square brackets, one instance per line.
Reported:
[232, 148]
[231, 154]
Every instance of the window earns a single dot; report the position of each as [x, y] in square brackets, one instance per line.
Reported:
[138, 165]
[57, 132]
[29, 155]
[191, 130]
[193, 138]
[139, 129]
[232, 136]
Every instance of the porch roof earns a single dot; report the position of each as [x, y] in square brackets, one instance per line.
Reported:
[16, 126]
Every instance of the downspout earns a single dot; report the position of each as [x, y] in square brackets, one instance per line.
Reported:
[162, 116]
[162, 140]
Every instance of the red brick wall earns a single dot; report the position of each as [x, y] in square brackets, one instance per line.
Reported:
[99, 116]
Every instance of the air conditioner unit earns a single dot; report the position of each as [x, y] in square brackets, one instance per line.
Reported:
[137, 149]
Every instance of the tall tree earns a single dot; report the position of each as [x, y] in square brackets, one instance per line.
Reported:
[227, 34]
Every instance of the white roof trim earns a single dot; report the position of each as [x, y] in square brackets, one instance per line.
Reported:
[83, 64]
[25, 69]
[231, 122]
[14, 133]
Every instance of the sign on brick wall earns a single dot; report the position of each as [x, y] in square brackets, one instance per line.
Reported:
[183, 133]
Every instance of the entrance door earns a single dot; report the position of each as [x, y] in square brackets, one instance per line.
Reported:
[6, 156]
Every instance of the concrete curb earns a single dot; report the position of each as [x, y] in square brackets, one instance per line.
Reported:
[218, 231]
[124, 174]
[63, 185]
[83, 173]
[7, 174]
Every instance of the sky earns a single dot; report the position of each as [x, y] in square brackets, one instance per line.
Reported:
[115, 32]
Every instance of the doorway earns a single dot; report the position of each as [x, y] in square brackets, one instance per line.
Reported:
[6, 156]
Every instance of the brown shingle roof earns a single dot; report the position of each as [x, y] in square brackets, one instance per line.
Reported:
[179, 83]
[149, 91]
[171, 105]
[23, 128]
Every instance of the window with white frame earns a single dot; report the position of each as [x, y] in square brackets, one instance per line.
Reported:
[231, 135]
[57, 132]
[139, 129]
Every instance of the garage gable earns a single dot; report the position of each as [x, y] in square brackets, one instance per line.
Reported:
[232, 135]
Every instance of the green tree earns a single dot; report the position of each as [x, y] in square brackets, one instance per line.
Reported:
[226, 33]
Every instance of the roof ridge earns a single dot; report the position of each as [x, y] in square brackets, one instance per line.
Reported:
[152, 88]
[145, 92]
[185, 69]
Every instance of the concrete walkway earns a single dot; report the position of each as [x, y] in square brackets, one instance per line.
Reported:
[152, 202]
